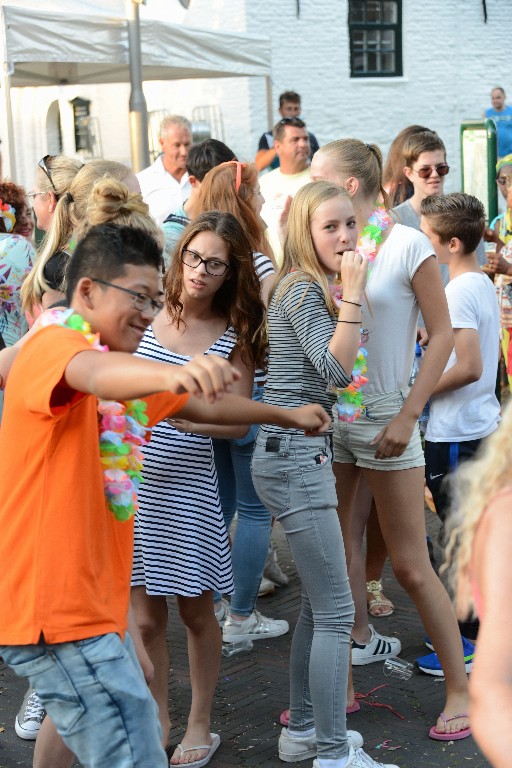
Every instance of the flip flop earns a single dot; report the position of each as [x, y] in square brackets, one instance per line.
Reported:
[442, 736]
[204, 760]
[284, 717]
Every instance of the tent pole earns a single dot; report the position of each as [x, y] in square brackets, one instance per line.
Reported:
[270, 106]
[138, 108]
[8, 165]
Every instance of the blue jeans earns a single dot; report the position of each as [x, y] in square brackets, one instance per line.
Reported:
[95, 693]
[293, 476]
[252, 535]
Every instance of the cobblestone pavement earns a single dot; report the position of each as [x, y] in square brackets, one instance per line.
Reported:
[253, 690]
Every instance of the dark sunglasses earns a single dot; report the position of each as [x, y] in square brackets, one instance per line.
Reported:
[295, 122]
[427, 170]
[43, 165]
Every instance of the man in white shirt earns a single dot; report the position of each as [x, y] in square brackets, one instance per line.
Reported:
[291, 141]
[164, 185]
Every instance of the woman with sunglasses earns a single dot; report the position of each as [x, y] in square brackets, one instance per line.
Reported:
[234, 188]
[394, 181]
[212, 305]
[375, 429]
[425, 167]
[62, 188]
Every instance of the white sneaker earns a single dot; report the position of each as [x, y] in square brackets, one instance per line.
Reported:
[29, 718]
[293, 749]
[254, 627]
[221, 611]
[377, 648]
[272, 570]
[357, 758]
[266, 587]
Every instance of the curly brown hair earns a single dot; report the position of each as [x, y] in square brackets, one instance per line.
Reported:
[239, 298]
[13, 195]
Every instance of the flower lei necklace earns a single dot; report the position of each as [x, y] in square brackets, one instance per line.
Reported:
[350, 399]
[122, 430]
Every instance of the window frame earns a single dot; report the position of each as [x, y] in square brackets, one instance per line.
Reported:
[380, 26]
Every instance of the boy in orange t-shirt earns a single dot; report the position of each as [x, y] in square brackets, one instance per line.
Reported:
[66, 558]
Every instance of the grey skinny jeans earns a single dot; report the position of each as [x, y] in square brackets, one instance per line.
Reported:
[293, 477]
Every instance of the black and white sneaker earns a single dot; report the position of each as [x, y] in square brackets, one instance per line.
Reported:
[378, 648]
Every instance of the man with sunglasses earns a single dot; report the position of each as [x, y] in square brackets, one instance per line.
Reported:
[291, 141]
[266, 156]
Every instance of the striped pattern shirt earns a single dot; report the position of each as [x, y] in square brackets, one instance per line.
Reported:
[301, 369]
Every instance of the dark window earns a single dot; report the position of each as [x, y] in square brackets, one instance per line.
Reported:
[375, 28]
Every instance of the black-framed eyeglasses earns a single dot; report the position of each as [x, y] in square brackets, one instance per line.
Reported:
[426, 171]
[141, 301]
[43, 165]
[214, 267]
[295, 122]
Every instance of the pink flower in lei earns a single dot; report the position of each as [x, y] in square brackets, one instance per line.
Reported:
[350, 399]
[123, 430]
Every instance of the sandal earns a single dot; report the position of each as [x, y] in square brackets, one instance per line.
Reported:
[443, 736]
[378, 601]
[211, 749]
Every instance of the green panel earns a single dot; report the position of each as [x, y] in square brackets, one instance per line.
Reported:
[478, 153]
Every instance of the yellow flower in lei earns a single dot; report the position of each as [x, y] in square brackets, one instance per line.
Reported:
[123, 430]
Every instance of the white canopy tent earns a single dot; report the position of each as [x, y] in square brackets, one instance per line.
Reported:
[86, 41]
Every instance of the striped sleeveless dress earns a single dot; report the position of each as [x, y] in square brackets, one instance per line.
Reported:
[181, 545]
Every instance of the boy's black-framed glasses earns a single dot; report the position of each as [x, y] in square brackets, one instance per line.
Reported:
[141, 301]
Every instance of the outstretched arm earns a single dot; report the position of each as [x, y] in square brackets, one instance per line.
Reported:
[120, 376]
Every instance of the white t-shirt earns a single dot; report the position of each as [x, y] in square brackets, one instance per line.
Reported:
[471, 412]
[275, 188]
[161, 191]
[392, 315]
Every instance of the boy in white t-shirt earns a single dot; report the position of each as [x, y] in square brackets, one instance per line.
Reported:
[463, 407]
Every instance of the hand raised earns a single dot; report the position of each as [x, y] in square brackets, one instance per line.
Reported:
[354, 274]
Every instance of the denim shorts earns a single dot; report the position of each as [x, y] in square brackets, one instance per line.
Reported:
[95, 693]
[352, 440]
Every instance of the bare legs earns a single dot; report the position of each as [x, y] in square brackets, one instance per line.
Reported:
[204, 649]
[151, 617]
[398, 496]
[50, 751]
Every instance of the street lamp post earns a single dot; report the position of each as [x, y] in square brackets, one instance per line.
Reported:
[138, 108]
